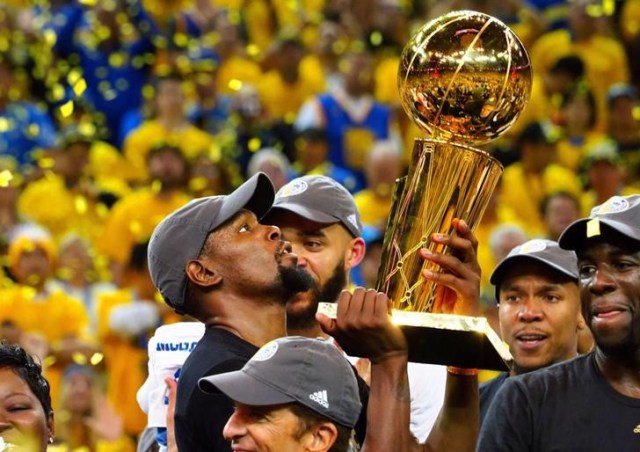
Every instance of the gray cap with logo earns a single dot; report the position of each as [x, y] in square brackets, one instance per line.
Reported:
[619, 214]
[320, 199]
[180, 236]
[311, 372]
[543, 251]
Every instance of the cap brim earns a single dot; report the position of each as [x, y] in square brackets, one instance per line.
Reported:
[305, 212]
[509, 262]
[576, 233]
[243, 388]
[256, 195]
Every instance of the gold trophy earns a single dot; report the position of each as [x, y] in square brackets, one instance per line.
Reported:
[464, 78]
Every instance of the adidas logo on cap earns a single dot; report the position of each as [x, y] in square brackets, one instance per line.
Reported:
[320, 397]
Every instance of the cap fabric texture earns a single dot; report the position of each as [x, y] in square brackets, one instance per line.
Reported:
[180, 237]
[311, 372]
[544, 251]
[619, 214]
[320, 199]
[168, 349]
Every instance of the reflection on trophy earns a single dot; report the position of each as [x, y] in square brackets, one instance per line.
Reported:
[464, 78]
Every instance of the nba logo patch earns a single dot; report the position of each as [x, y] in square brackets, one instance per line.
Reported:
[293, 188]
[613, 205]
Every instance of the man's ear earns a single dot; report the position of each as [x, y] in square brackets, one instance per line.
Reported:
[355, 254]
[321, 437]
[201, 275]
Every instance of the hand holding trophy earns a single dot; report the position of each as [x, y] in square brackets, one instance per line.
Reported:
[464, 78]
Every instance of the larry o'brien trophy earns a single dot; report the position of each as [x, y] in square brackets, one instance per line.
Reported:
[463, 78]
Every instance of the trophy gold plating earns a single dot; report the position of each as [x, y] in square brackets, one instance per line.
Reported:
[464, 78]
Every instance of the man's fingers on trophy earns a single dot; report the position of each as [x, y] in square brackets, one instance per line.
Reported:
[464, 231]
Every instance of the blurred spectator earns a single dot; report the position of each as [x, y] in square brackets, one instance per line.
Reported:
[604, 57]
[285, 87]
[237, 67]
[324, 56]
[10, 185]
[133, 218]
[208, 109]
[535, 176]
[311, 151]
[127, 318]
[85, 419]
[251, 129]
[495, 215]
[605, 176]
[24, 127]
[210, 176]
[113, 56]
[67, 186]
[382, 168]
[170, 125]
[78, 275]
[578, 119]
[559, 210]
[32, 257]
[350, 115]
[273, 163]
[624, 126]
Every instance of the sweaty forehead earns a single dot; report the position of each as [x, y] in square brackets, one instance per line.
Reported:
[611, 244]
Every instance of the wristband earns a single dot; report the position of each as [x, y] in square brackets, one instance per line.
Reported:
[462, 371]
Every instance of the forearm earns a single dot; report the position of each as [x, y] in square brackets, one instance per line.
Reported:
[457, 426]
[389, 407]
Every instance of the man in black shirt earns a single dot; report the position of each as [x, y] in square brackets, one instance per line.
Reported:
[536, 287]
[214, 261]
[591, 403]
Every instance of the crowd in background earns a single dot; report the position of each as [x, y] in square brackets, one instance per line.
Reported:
[113, 113]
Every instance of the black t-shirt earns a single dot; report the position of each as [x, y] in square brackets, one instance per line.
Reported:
[565, 407]
[488, 391]
[200, 418]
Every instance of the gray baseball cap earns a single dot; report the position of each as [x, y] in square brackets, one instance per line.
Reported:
[620, 214]
[311, 372]
[181, 235]
[320, 199]
[544, 251]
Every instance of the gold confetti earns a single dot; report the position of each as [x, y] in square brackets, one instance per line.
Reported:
[66, 109]
[80, 87]
[79, 358]
[235, 84]
[593, 227]
[81, 205]
[96, 359]
[5, 178]
[254, 144]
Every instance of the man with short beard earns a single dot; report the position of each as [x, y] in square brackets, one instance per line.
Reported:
[214, 261]
[592, 402]
[320, 219]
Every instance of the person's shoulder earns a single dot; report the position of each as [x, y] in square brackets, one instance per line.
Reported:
[493, 384]
[557, 377]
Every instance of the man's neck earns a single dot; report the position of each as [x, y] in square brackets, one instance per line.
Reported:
[621, 372]
[254, 324]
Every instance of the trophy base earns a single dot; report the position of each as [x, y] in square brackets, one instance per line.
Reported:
[447, 339]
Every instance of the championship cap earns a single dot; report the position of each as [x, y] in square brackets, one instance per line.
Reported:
[320, 199]
[310, 372]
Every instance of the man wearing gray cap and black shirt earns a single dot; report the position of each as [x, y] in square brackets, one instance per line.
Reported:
[536, 287]
[590, 403]
[212, 260]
